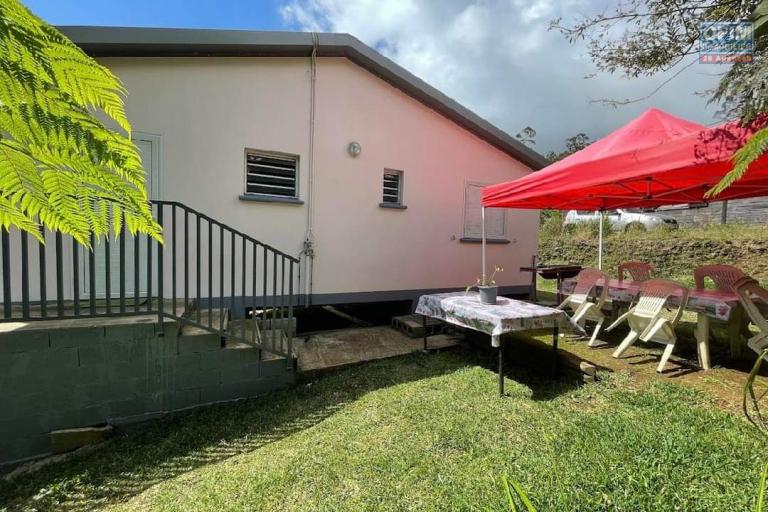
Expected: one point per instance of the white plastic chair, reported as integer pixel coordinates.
(646, 320)
(724, 276)
(754, 300)
(637, 270)
(579, 301)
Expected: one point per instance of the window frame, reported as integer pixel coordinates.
(400, 204)
(258, 196)
(472, 237)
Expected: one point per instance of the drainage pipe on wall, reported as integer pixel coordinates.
(309, 240)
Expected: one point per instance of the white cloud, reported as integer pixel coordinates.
(498, 58)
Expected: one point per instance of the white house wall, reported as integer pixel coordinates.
(362, 247)
(208, 110)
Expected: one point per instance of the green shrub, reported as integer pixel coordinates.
(551, 224)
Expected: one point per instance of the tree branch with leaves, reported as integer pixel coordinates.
(647, 37)
(60, 166)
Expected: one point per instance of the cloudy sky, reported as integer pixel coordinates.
(497, 57)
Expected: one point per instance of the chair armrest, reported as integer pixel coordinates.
(603, 295)
(620, 319)
(680, 308)
(653, 328)
(564, 303)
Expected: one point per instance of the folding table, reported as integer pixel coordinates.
(506, 316)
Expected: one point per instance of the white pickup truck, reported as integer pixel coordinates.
(621, 220)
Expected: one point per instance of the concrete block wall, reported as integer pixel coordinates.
(74, 376)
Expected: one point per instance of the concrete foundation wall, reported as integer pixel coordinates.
(77, 376)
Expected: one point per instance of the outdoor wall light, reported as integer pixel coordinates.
(354, 149)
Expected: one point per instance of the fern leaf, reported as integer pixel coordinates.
(60, 166)
(742, 159)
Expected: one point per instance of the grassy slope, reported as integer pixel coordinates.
(427, 433)
(674, 253)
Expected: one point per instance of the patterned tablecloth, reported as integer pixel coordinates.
(713, 303)
(507, 315)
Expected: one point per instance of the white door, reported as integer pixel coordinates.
(149, 149)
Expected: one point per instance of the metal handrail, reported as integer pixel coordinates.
(257, 276)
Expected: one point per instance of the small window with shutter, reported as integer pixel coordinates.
(495, 218)
(392, 192)
(271, 174)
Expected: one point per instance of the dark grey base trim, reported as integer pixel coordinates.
(392, 206)
(323, 299)
(471, 240)
(269, 199)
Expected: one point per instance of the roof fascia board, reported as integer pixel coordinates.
(156, 42)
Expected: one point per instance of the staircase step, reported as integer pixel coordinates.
(217, 317)
(275, 340)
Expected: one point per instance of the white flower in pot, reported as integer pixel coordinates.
(486, 285)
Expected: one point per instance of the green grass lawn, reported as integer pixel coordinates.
(422, 432)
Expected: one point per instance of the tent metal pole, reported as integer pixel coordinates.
(482, 250)
(600, 241)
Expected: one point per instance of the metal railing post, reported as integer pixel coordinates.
(290, 315)
(76, 276)
(160, 277)
(6, 243)
(43, 279)
(24, 275)
(276, 312)
(59, 275)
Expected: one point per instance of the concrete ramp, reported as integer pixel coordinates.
(335, 349)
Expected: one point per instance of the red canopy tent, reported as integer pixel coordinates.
(655, 160)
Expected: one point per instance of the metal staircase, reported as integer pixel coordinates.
(209, 277)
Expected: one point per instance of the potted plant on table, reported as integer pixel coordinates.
(487, 287)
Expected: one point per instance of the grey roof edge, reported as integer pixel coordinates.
(173, 42)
